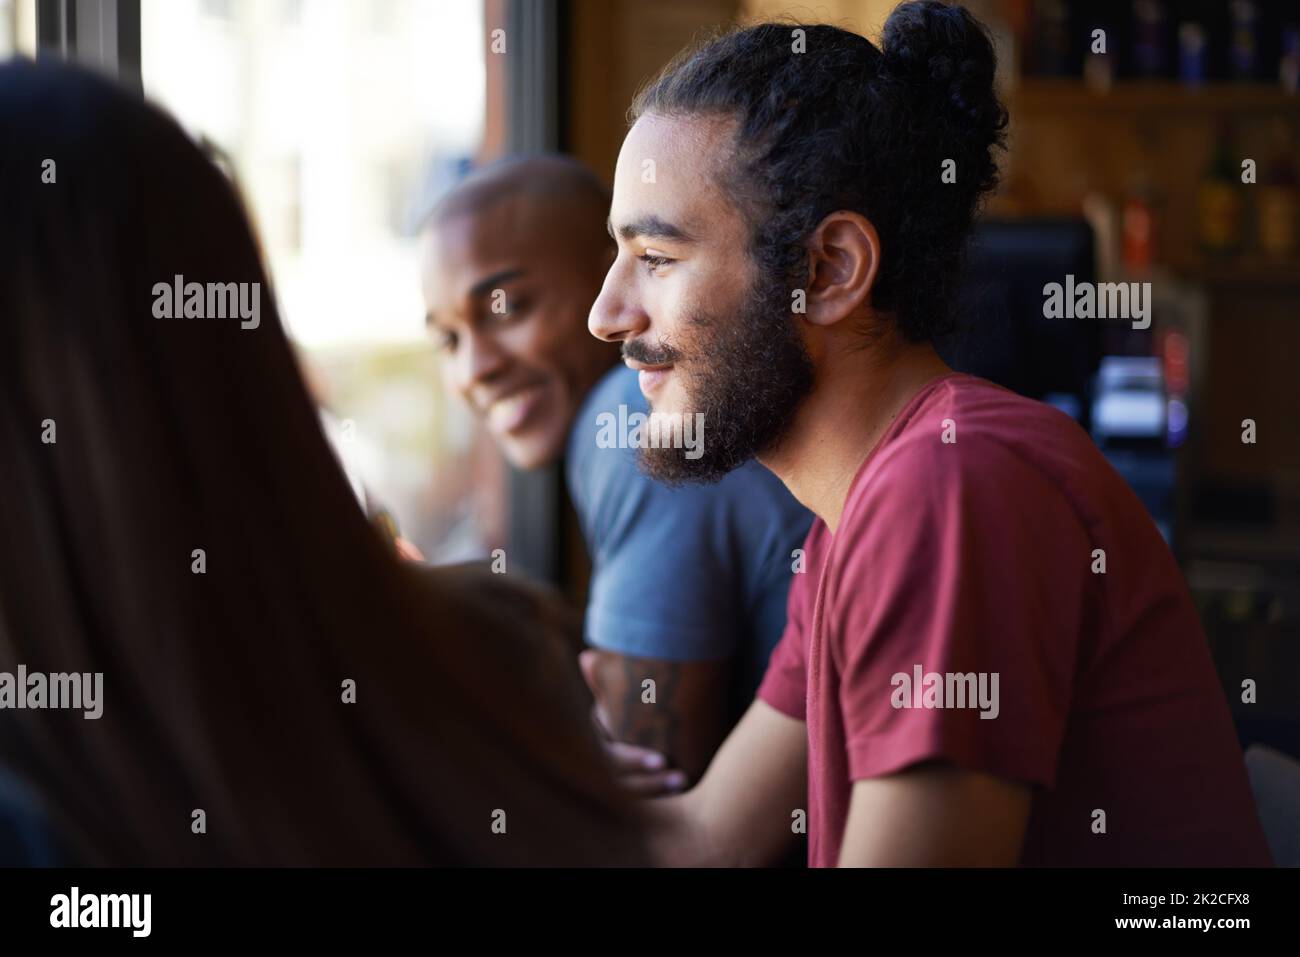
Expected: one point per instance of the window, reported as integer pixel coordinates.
(17, 28)
(341, 123)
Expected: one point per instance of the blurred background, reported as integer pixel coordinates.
(342, 121)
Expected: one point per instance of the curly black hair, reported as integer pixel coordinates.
(842, 125)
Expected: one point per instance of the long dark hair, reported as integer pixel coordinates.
(224, 691)
(827, 121)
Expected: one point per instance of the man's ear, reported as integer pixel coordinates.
(843, 258)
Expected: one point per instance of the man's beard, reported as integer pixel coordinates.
(749, 374)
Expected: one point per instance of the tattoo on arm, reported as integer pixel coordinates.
(686, 719)
(654, 725)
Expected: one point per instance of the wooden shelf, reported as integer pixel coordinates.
(1246, 268)
(1154, 96)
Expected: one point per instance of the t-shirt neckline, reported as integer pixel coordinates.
(900, 422)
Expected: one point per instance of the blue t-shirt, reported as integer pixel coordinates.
(692, 573)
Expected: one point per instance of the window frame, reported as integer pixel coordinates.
(102, 34)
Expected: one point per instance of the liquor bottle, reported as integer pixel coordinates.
(1192, 54)
(1279, 198)
(1150, 52)
(1288, 69)
(1050, 45)
(1243, 47)
(1139, 226)
(1140, 204)
(1218, 200)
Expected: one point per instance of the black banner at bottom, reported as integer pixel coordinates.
(620, 907)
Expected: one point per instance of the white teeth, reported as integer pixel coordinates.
(503, 411)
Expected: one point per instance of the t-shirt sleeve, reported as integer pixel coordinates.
(663, 584)
(785, 683)
(661, 592)
(967, 573)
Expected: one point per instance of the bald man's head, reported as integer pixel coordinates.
(513, 258)
(547, 182)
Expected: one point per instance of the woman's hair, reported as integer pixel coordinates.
(128, 443)
(827, 122)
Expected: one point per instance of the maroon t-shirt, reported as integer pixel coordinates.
(961, 613)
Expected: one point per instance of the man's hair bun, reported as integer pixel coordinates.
(943, 55)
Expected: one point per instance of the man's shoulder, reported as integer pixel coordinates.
(969, 428)
(963, 406)
(968, 440)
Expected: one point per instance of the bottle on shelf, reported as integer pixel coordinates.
(1193, 54)
(1150, 52)
(1219, 199)
(1139, 230)
(1288, 70)
(1243, 43)
(1050, 45)
(1279, 198)
(1139, 250)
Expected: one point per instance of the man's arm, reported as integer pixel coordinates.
(741, 813)
(681, 716)
(936, 815)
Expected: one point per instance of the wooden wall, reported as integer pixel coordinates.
(615, 47)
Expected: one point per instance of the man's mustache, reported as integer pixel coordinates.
(639, 351)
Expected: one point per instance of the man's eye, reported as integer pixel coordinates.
(512, 309)
(653, 262)
(445, 342)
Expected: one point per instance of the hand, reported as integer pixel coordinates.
(407, 550)
(640, 770)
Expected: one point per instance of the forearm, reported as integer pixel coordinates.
(678, 834)
(741, 813)
(697, 830)
(674, 708)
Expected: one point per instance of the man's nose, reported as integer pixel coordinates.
(481, 359)
(615, 315)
